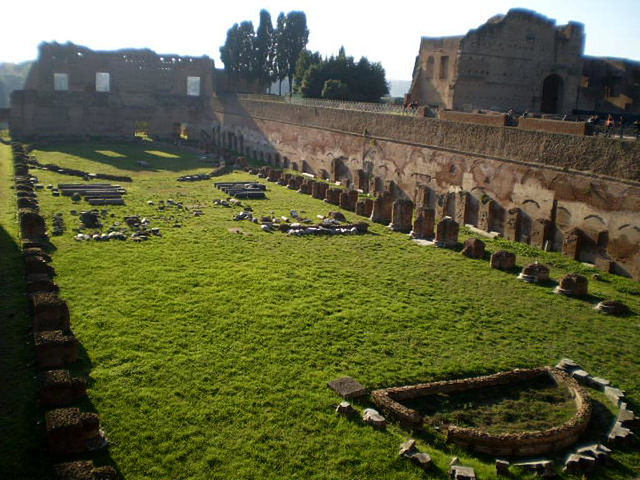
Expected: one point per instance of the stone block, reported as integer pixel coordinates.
(567, 365)
(41, 283)
(513, 225)
(616, 395)
(69, 430)
(486, 212)
(422, 460)
(540, 232)
(347, 387)
(401, 216)
(49, 312)
(382, 206)
(84, 470)
(364, 206)
(58, 388)
(463, 207)
(581, 376)
(502, 468)
(619, 435)
(572, 243)
(273, 174)
(319, 190)
(573, 284)
(31, 223)
(423, 225)
(503, 260)
(535, 273)
(348, 199)
(38, 253)
(612, 307)
(373, 418)
(408, 448)
(627, 418)
(599, 452)
(577, 464)
(333, 196)
(447, 232)
(459, 472)
(54, 349)
(346, 409)
(306, 186)
(473, 248)
(605, 264)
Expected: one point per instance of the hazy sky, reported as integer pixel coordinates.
(388, 31)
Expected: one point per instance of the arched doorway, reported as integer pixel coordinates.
(552, 94)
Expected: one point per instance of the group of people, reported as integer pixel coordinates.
(610, 126)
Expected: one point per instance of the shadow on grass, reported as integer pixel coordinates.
(82, 369)
(159, 157)
(21, 417)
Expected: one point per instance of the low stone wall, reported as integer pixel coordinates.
(508, 444)
(477, 118)
(552, 126)
(69, 431)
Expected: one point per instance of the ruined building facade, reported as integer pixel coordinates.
(74, 91)
(521, 60)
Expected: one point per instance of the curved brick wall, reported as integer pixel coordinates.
(522, 444)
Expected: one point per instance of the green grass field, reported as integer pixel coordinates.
(208, 351)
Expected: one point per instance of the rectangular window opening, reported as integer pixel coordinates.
(103, 82)
(61, 82)
(444, 66)
(193, 86)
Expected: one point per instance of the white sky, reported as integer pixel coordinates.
(387, 32)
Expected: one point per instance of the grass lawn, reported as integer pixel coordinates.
(208, 351)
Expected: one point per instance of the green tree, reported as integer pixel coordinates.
(305, 60)
(365, 81)
(335, 90)
(281, 58)
(238, 53)
(265, 53)
(296, 39)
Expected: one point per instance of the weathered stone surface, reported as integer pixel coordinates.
(364, 206)
(615, 395)
(513, 225)
(408, 448)
(337, 216)
(619, 435)
(401, 216)
(319, 190)
(348, 199)
(605, 264)
(382, 207)
(447, 232)
(473, 248)
(599, 452)
(37, 266)
(567, 365)
(599, 383)
(422, 460)
(582, 376)
(31, 223)
(347, 387)
(535, 273)
(423, 225)
(573, 284)
(612, 307)
(373, 418)
(502, 467)
(459, 472)
(90, 219)
(503, 260)
(572, 243)
(41, 283)
(84, 470)
(346, 409)
(58, 388)
(333, 196)
(54, 349)
(69, 430)
(577, 464)
(49, 312)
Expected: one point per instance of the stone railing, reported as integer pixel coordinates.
(521, 444)
(348, 105)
